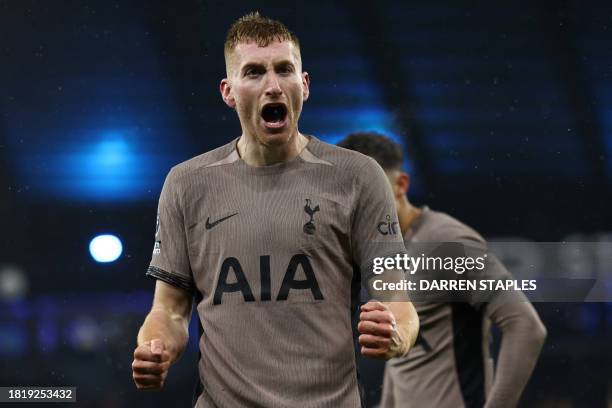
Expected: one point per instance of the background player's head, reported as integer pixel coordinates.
(265, 82)
(387, 154)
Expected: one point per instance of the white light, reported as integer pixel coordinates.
(105, 248)
(13, 283)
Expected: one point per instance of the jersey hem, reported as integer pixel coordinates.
(170, 278)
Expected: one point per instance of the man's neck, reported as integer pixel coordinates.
(256, 154)
(407, 214)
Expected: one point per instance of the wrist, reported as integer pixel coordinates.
(405, 340)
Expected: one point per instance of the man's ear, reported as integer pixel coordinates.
(306, 85)
(226, 93)
(402, 184)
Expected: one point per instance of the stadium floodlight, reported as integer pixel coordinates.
(105, 248)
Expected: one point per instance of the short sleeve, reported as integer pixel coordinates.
(474, 246)
(457, 243)
(170, 259)
(375, 230)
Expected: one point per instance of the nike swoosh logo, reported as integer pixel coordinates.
(209, 224)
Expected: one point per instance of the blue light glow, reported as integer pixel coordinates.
(105, 248)
(125, 164)
(106, 168)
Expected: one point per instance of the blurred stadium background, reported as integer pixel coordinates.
(505, 110)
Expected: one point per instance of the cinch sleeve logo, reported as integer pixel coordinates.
(387, 227)
(157, 224)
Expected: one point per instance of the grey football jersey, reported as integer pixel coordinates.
(449, 365)
(271, 250)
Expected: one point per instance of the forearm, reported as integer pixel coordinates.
(171, 328)
(523, 335)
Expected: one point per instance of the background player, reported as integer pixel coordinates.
(450, 365)
(266, 229)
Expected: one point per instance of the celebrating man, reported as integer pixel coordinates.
(267, 230)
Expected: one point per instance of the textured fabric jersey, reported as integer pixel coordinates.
(271, 250)
(449, 366)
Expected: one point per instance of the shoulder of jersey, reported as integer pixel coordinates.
(201, 161)
(340, 157)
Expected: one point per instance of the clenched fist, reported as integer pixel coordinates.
(380, 337)
(150, 365)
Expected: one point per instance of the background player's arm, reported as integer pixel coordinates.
(163, 335)
(523, 335)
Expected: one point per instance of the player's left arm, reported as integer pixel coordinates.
(523, 335)
(387, 328)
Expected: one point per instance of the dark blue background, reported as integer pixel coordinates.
(504, 109)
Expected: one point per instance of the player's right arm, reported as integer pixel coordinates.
(162, 337)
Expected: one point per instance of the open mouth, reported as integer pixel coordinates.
(274, 114)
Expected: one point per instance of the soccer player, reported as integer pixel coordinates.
(267, 230)
(449, 365)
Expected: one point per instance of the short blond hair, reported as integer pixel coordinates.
(260, 30)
